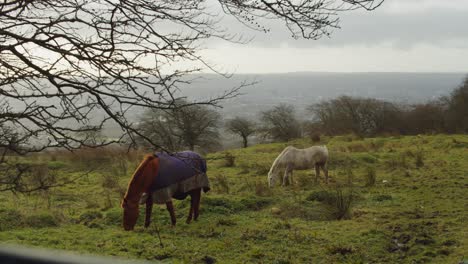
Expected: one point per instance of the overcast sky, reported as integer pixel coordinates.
(400, 36)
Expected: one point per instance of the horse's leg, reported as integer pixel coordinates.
(317, 173)
(325, 171)
(196, 197)
(291, 177)
(149, 208)
(192, 201)
(286, 176)
(170, 208)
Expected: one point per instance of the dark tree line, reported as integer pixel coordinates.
(198, 126)
(369, 117)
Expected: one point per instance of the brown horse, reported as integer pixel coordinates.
(145, 187)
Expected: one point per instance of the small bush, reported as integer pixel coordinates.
(56, 165)
(261, 168)
(315, 137)
(289, 210)
(250, 234)
(229, 160)
(261, 189)
(41, 220)
(382, 197)
(255, 203)
(349, 176)
(221, 205)
(366, 157)
(88, 217)
(110, 181)
(419, 158)
(113, 217)
(397, 162)
(41, 175)
(225, 222)
(340, 249)
(376, 145)
(357, 147)
(371, 176)
(222, 183)
(321, 196)
(341, 207)
(10, 219)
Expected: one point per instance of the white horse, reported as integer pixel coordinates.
(292, 158)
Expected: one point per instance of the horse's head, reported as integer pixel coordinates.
(271, 179)
(130, 214)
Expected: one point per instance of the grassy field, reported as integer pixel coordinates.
(390, 200)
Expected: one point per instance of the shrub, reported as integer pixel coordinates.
(89, 216)
(261, 168)
(56, 165)
(321, 196)
(397, 162)
(301, 210)
(222, 183)
(229, 160)
(255, 203)
(382, 197)
(341, 249)
(113, 217)
(357, 147)
(349, 175)
(342, 207)
(41, 220)
(10, 219)
(261, 189)
(315, 137)
(419, 158)
(370, 176)
(225, 222)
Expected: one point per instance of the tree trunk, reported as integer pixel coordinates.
(245, 141)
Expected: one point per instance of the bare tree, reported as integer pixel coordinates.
(242, 127)
(280, 123)
(180, 128)
(457, 112)
(362, 116)
(70, 67)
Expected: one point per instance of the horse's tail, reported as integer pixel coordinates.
(277, 160)
(136, 181)
(325, 152)
(204, 167)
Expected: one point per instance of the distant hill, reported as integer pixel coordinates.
(305, 88)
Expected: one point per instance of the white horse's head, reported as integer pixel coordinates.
(272, 177)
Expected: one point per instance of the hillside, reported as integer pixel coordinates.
(407, 194)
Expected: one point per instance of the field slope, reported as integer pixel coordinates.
(399, 200)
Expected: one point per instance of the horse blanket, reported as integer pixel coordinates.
(178, 174)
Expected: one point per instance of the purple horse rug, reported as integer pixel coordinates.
(178, 174)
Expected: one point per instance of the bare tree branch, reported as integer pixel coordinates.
(71, 67)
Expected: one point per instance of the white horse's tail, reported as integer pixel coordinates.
(325, 150)
(326, 155)
(277, 160)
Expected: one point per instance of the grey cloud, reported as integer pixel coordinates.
(443, 27)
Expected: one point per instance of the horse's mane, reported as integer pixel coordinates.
(136, 180)
(278, 159)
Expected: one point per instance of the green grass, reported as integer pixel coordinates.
(415, 210)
